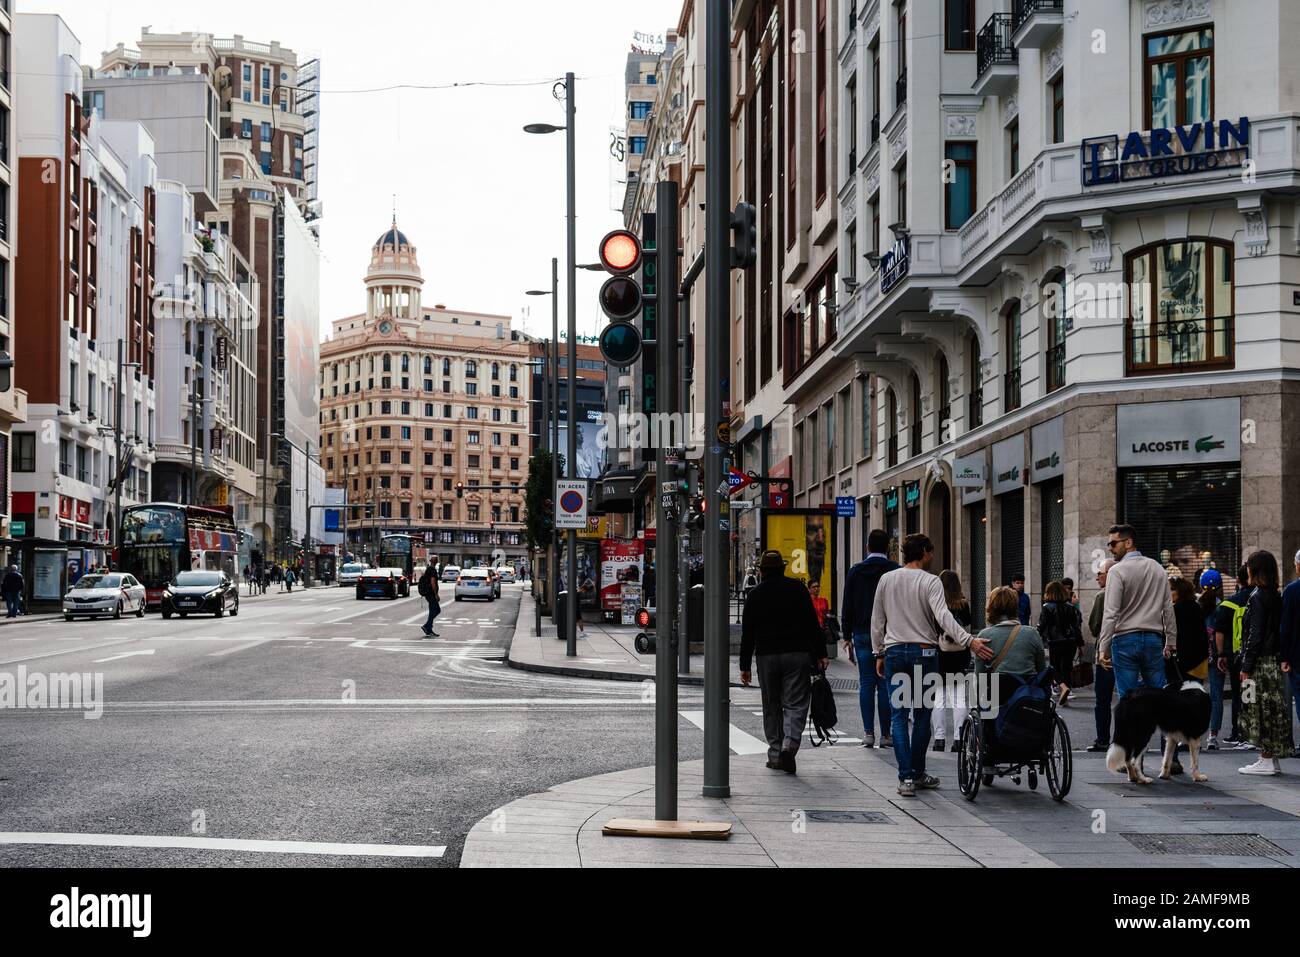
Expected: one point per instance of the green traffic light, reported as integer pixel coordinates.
(620, 343)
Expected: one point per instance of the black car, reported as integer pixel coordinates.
(390, 583)
(200, 593)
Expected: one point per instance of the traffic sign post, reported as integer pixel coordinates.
(571, 504)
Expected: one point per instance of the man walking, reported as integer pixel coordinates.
(1104, 677)
(12, 587)
(780, 629)
(909, 613)
(428, 590)
(1290, 631)
(859, 601)
(1138, 617)
(1024, 611)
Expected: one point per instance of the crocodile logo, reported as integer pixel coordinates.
(1207, 444)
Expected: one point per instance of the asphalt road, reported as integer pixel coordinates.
(310, 717)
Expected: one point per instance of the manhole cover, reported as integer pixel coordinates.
(847, 817)
(843, 684)
(1207, 845)
(1225, 812)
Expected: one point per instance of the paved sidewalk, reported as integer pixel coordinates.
(842, 810)
(21, 619)
(609, 651)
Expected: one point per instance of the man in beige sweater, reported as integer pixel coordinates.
(1137, 627)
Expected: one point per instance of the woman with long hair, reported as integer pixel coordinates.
(1061, 626)
(1193, 650)
(1266, 718)
(950, 703)
(1210, 598)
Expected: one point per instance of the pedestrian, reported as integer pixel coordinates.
(1015, 649)
(1266, 714)
(289, 578)
(1193, 649)
(266, 579)
(820, 604)
(859, 602)
(1209, 599)
(1104, 674)
(779, 632)
(12, 588)
(910, 611)
(1290, 631)
(1229, 624)
(1061, 628)
(428, 590)
(950, 702)
(1139, 615)
(1024, 611)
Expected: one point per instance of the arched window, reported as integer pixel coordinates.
(496, 371)
(975, 380)
(1057, 298)
(446, 367)
(514, 373)
(915, 415)
(428, 365)
(1011, 352)
(891, 410)
(1181, 305)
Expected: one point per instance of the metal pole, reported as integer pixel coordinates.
(686, 366)
(546, 447)
(717, 362)
(553, 384)
(666, 266)
(194, 440)
(117, 438)
(571, 610)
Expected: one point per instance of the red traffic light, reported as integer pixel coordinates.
(643, 618)
(620, 252)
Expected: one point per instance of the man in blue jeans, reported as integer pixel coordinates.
(1138, 631)
(859, 601)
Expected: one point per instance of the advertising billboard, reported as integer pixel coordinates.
(301, 330)
(591, 456)
(805, 540)
(622, 562)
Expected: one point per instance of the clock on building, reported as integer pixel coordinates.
(385, 328)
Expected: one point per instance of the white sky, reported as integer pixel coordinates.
(472, 188)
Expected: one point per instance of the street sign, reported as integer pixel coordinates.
(846, 507)
(742, 505)
(738, 481)
(17, 529)
(571, 504)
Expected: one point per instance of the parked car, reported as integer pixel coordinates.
(390, 583)
(350, 573)
(450, 573)
(507, 574)
(475, 583)
(200, 593)
(111, 594)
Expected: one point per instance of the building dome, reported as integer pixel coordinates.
(394, 237)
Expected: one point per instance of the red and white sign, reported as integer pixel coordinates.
(622, 562)
(65, 508)
(83, 512)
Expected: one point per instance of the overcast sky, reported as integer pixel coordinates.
(482, 201)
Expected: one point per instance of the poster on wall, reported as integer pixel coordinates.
(47, 575)
(805, 540)
(622, 562)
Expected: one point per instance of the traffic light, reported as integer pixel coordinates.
(699, 506)
(744, 227)
(460, 489)
(621, 298)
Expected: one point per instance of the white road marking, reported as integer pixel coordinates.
(230, 651)
(129, 654)
(67, 651)
(738, 741)
(360, 644)
(222, 844)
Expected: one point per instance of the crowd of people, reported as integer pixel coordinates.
(259, 578)
(902, 622)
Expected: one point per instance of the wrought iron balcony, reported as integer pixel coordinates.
(1034, 22)
(1056, 367)
(996, 59)
(1011, 391)
(975, 408)
(1181, 345)
(900, 90)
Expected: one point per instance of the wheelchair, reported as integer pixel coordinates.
(980, 761)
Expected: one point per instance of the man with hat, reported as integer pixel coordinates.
(780, 630)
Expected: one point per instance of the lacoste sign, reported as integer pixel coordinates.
(1178, 433)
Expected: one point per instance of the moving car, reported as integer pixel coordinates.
(350, 573)
(390, 583)
(110, 594)
(200, 593)
(450, 572)
(507, 574)
(475, 583)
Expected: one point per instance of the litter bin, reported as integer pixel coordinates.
(695, 614)
(559, 609)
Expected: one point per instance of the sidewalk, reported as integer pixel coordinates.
(842, 810)
(43, 616)
(609, 651)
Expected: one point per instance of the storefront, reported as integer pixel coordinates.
(1009, 490)
(1180, 482)
(912, 506)
(1047, 475)
(893, 520)
(968, 475)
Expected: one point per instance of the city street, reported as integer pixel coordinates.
(245, 725)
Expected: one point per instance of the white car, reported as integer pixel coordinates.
(351, 573)
(110, 594)
(507, 574)
(450, 572)
(475, 583)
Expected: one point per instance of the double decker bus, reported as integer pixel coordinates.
(398, 551)
(160, 540)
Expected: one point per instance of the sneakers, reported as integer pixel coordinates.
(907, 788)
(428, 632)
(1265, 766)
(927, 782)
(1098, 746)
(1213, 743)
(869, 739)
(1063, 699)
(1244, 746)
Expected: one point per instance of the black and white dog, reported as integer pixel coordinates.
(1181, 711)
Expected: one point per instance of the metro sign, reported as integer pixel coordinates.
(738, 481)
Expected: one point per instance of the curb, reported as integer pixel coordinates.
(692, 680)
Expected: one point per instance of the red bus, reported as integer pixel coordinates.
(159, 540)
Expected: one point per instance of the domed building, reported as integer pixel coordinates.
(415, 399)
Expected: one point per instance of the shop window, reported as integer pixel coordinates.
(1179, 78)
(1181, 300)
(1187, 518)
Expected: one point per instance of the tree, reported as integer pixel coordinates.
(539, 518)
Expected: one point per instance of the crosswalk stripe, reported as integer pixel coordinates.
(739, 741)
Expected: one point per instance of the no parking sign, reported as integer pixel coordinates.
(571, 504)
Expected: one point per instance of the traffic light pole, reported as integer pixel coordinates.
(571, 463)
(666, 265)
(686, 369)
(553, 384)
(717, 379)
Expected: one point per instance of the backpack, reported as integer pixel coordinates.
(821, 714)
(1238, 618)
(423, 588)
(1023, 723)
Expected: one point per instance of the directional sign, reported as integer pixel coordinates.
(846, 507)
(738, 481)
(571, 504)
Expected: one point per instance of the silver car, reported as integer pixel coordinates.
(351, 573)
(475, 583)
(111, 594)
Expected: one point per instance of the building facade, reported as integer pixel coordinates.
(416, 401)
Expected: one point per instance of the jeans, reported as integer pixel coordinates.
(1105, 690)
(903, 665)
(1234, 680)
(13, 604)
(1216, 698)
(1138, 657)
(434, 611)
(785, 682)
(1294, 677)
(870, 684)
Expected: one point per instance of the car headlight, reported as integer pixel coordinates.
(212, 594)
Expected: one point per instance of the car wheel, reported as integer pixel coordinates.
(139, 612)
(184, 614)
(117, 612)
(235, 611)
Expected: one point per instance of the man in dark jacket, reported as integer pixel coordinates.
(780, 629)
(1291, 638)
(859, 602)
(12, 587)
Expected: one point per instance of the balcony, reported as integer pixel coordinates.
(1035, 22)
(997, 62)
(1181, 345)
(875, 132)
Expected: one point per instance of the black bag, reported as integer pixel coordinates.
(424, 589)
(1025, 721)
(821, 715)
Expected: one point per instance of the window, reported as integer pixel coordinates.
(471, 369)
(868, 423)
(1056, 97)
(1181, 306)
(915, 414)
(828, 418)
(248, 73)
(94, 100)
(265, 161)
(473, 462)
(959, 25)
(639, 109)
(1013, 148)
(473, 438)
(446, 460)
(406, 433)
(959, 188)
(266, 132)
(266, 78)
(891, 427)
(1057, 294)
(902, 194)
(636, 145)
(471, 388)
(1179, 78)
(900, 88)
(1011, 384)
(24, 451)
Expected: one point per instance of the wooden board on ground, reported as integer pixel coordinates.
(692, 830)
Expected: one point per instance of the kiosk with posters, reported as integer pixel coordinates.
(806, 540)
